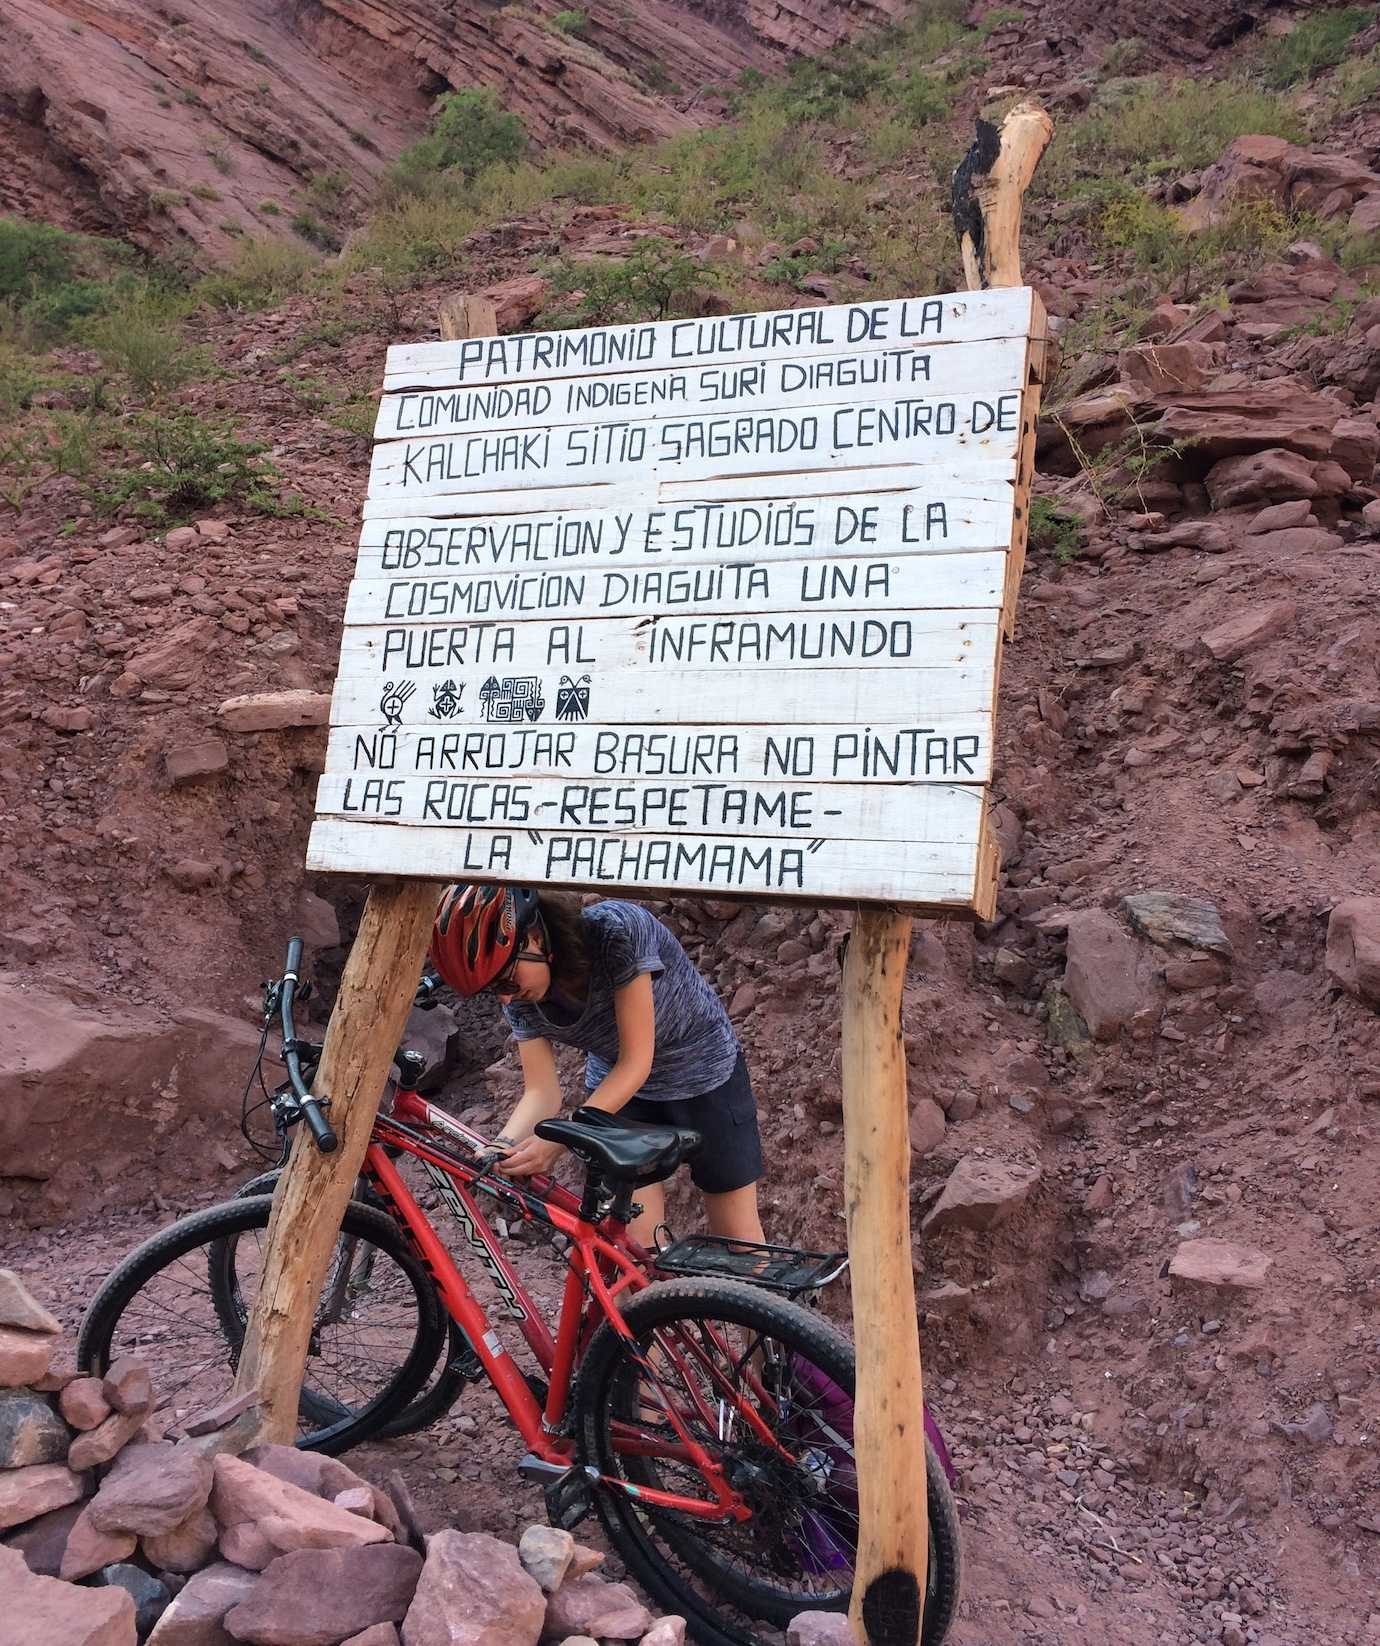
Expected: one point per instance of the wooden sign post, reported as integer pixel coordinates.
(888, 1424)
(709, 606)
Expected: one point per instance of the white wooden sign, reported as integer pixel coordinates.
(699, 606)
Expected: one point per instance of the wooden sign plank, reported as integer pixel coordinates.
(786, 334)
(937, 812)
(945, 518)
(927, 431)
(754, 386)
(951, 749)
(770, 697)
(798, 639)
(939, 875)
(875, 584)
(979, 475)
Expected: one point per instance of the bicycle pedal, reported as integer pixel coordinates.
(569, 1492)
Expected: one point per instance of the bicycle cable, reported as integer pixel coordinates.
(247, 1110)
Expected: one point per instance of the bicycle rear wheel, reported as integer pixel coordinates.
(377, 1334)
(715, 1348)
(443, 1384)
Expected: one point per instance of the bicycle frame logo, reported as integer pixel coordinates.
(474, 1239)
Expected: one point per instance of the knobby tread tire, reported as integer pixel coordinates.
(243, 1216)
(790, 1323)
(432, 1403)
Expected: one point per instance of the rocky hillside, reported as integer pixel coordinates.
(184, 130)
(1144, 1098)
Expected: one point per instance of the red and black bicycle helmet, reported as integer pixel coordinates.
(479, 928)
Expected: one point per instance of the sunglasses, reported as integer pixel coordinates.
(503, 983)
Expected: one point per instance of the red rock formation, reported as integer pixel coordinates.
(179, 131)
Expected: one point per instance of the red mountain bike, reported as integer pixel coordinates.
(685, 1396)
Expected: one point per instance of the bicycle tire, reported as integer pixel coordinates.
(634, 1530)
(219, 1224)
(437, 1398)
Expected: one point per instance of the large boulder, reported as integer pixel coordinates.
(27, 1493)
(20, 1308)
(1207, 1267)
(473, 1592)
(42, 1611)
(981, 1194)
(161, 1077)
(196, 1616)
(1353, 947)
(1269, 476)
(594, 1607)
(262, 1517)
(1106, 975)
(151, 1490)
(1227, 422)
(319, 1597)
(1233, 638)
(1275, 170)
(1176, 919)
(30, 1430)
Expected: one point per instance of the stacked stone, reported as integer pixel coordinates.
(115, 1533)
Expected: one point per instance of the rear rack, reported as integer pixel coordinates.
(777, 1268)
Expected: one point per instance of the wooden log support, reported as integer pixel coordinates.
(988, 188)
(376, 994)
(888, 1422)
(893, 1544)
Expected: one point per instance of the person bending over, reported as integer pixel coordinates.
(612, 980)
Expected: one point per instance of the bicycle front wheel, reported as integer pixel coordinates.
(378, 1330)
(766, 1388)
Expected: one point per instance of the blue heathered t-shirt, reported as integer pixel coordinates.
(696, 1048)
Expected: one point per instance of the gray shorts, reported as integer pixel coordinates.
(726, 1118)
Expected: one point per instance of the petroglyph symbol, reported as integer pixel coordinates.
(572, 698)
(394, 700)
(510, 701)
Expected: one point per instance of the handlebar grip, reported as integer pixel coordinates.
(319, 1126)
(294, 956)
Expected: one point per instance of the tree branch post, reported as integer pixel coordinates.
(376, 994)
(888, 1424)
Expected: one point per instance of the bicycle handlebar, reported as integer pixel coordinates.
(317, 1124)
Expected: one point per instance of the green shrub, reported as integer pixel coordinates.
(1357, 81)
(20, 380)
(142, 338)
(1318, 42)
(1053, 530)
(1361, 252)
(181, 466)
(1180, 125)
(204, 191)
(791, 267)
(262, 273)
(35, 257)
(655, 281)
(818, 88)
(315, 232)
(570, 22)
(1004, 17)
(469, 132)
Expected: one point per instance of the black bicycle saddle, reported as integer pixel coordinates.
(623, 1151)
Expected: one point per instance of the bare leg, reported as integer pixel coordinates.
(734, 1215)
(652, 1200)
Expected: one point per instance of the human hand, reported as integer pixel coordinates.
(531, 1157)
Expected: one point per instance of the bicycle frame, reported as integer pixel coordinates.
(604, 1263)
